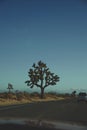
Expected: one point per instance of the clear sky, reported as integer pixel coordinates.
(54, 31)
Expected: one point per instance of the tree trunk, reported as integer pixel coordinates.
(42, 93)
(9, 91)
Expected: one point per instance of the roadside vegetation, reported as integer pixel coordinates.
(7, 98)
(40, 76)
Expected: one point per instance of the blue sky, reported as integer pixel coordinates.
(54, 31)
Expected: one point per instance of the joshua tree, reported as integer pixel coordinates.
(73, 93)
(40, 76)
(10, 86)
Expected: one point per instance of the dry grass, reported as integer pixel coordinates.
(6, 102)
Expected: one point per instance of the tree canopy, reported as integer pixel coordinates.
(41, 76)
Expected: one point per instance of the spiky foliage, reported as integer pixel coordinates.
(10, 87)
(40, 76)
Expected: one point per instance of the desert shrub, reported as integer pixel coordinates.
(4, 95)
(35, 94)
(19, 95)
(26, 95)
(10, 96)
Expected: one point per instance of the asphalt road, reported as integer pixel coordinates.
(11, 107)
(66, 111)
(23, 110)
